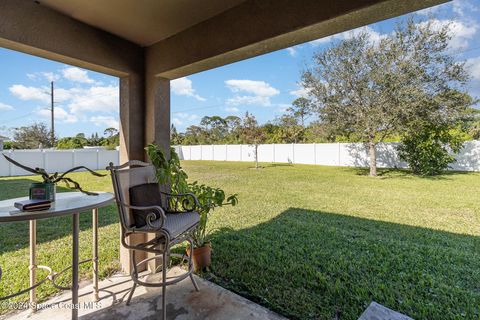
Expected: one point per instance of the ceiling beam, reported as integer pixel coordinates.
(35, 29)
(260, 26)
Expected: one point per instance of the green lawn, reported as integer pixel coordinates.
(309, 242)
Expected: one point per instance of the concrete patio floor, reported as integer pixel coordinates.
(183, 303)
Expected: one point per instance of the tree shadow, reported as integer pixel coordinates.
(14, 235)
(309, 264)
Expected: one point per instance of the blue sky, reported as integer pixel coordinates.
(88, 102)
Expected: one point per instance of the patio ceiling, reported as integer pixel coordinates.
(142, 22)
(146, 43)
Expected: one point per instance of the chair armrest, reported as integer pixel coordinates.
(184, 203)
(150, 216)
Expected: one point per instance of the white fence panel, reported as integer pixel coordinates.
(266, 153)
(248, 152)
(326, 154)
(234, 152)
(387, 156)
(4, 164)
(107, 156)
(353, 155)
(304, 153)
(87, 158)
(220, 152)
(195, 152)
(184, 152)
(284, 153)
(179, 152)
(469, 158)
(58, 160)
(30, 158)
(207, 152)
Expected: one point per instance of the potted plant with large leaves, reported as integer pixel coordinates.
(46, 189)
(170, 172)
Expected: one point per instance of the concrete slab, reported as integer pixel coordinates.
(376, 311)
(183, 303)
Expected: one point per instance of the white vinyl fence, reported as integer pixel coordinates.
(57, 160)
(329, 154)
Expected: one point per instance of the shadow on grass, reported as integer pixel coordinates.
(318, 265)
(389, 173)
(14, 235)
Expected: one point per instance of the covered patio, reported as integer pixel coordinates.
(148, 44)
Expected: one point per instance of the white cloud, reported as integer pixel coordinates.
(232, 109)
(259, 92)
(93, 99)
(60, 115)
(77, 75)
(105, 121)
(300, 92)
(429, 11)
(473, 66)
(79, 101)
(461, 32)
(282, 107)
(372, 35)
(184, 118)
(30, 93)
(50, 76)
(4, 106)
(183, 87)
(460, 7)
(292, 51)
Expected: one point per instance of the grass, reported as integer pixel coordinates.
(309, 242)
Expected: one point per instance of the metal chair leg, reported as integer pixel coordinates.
(134, 274)
(194, 282)
(164, 286)
(130, 295)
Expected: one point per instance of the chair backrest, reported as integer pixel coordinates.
(125, 176)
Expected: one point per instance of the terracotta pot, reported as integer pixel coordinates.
(202, 257)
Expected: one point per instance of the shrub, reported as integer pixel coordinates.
(429, 151)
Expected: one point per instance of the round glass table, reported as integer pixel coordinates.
(66, 203)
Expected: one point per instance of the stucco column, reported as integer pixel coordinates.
(145, 118)
(132, 137)
(157, 124)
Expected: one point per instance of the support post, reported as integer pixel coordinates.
(33, 264)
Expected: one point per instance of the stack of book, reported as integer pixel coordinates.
(33, 205)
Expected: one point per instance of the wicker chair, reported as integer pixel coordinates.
(172, 222)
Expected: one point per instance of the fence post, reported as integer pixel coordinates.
(74, 158)
(201, 152)
(226, 152)
(10, 166)
(190, 152)
(338, 154)
(293, 153)
(98, 158)
(44, 159)
(274, 152)
(314, 153)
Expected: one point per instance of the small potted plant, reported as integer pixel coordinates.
(170, 172)
(46, 189)
(209, 198)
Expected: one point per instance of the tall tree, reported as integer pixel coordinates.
(32, 137)
(301, 109)
(371, 89)
(252, 134)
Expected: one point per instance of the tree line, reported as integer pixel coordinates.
(406, 86)
(37, 136)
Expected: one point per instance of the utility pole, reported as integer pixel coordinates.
(52, 132)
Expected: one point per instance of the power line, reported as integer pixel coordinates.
(16, 118)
